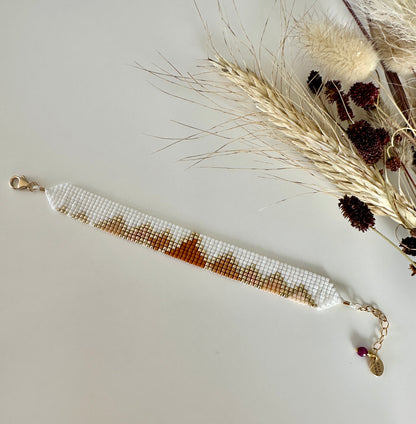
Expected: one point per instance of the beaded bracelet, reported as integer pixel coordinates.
(267, 274)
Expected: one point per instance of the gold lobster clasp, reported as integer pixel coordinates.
(20, 182)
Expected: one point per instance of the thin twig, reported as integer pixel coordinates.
(396, 247)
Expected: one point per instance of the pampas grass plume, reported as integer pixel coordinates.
(397, 53)
(340, 52)
(393, 28)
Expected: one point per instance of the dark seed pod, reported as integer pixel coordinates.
(367, 140)
(394, 163)
(315, 82)
(364, 95)
(357, 212)
(335, 94)
(408, 245)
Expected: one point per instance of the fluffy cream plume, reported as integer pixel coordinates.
(397, 53)
(304, 126)
(340, 52)
(406, 153)
(393, 28)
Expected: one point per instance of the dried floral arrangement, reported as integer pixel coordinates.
(351, 125)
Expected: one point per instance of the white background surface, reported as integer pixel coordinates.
(97, 330)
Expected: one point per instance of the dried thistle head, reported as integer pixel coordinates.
(335, 94)
(364, 95)
(340, 52)
(366, 140)
(357, 212)
(408, 245)
(394, 163)
(315, 82)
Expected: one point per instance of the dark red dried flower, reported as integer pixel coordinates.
(357, 212)
(408, 245)
(367, 140)
(394, 163)
(413, 232)
(364, 95)
(398, 138)
(315, 82)
(344, 110)
(413, 269)
(333, 91)
(335, 94)
(382, 136)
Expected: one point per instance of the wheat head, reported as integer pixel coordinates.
(305, 126)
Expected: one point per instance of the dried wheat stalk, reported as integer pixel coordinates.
(307, 128)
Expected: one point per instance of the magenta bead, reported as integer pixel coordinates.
(362, 351)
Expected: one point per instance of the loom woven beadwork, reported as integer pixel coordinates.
(197, 249)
